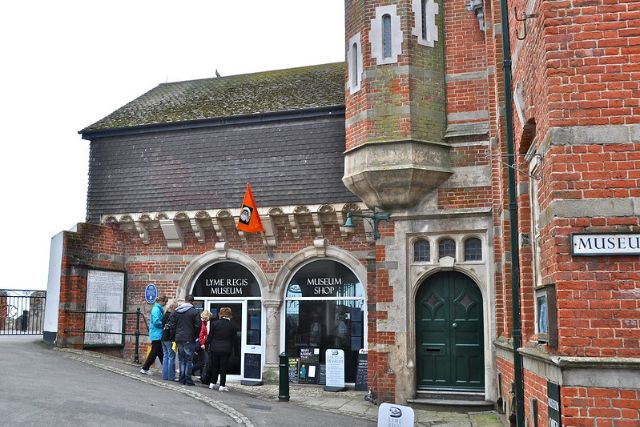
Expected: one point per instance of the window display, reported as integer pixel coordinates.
(324, 309)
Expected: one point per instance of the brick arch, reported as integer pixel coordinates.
(203, 261)
(312, 253)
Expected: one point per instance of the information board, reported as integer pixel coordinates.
(105, 293)
(334, 359)
(253, 366)
(362, 371)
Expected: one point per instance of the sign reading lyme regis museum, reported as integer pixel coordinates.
(605, 244)
(226, 279)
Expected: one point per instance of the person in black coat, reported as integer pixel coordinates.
(219, 344)
(184, 325)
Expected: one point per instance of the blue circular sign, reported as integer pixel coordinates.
(151, 293)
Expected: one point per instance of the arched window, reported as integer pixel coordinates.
(473, 249)
(354, 65)
(325, 308)
(386, 36)
(446, 247)
(421, 251)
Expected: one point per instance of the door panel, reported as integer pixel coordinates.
(449, 333)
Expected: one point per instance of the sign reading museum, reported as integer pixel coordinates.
(605, 244)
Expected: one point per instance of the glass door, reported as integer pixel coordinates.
(237, 309)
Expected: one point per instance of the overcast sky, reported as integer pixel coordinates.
(68, 63)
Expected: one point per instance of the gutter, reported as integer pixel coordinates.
(518, 383)
(247, 119)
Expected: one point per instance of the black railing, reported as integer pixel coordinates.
(136, 333)
(22, 311)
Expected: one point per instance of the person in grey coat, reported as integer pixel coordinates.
(184, 325)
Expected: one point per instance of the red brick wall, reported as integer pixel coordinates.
(600, 406)
(90, 247)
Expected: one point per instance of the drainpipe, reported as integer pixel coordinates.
(513, 220)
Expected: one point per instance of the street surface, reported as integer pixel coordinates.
(43, 387)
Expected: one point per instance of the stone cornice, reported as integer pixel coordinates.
(223, 222)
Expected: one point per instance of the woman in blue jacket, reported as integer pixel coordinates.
(155, 334)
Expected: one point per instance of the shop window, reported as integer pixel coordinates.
(446, 247)
(473, 249)
(421, 251)
(324, 308)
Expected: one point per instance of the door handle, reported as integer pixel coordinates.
(455, 325)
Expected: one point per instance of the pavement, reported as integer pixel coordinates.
(350, 404)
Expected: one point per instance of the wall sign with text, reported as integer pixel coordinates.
(226, 279)
(587, 244)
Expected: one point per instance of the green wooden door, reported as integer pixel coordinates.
(449, 333)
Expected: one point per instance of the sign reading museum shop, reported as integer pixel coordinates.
(324, 279)
(226, 279)
(584, 244)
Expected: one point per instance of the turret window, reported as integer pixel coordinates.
(386, 36)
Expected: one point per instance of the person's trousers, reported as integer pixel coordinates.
(218, 366)
(185, 354)
(156, 351)
(168, 361)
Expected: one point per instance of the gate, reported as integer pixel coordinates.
(22, 311)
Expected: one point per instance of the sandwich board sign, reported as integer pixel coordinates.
(390, 415)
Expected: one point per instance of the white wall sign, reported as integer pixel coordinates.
(605, 244)
(334, 359)
(105, 292)
(395, 415)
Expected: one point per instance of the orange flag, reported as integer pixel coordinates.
(249, 219)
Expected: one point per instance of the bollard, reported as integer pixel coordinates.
(283, 391)
(136, 357)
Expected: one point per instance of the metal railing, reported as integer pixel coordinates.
(139, 315)
(22, 311)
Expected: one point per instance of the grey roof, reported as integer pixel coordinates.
(288, 162)
(291, 89)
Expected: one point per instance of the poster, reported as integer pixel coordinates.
(293, 370)
(334, 370)
(105, 293)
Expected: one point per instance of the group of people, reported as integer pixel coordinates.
(190, 331)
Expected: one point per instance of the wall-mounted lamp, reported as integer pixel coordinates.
(375, 220)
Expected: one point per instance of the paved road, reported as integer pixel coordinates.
(39, 386)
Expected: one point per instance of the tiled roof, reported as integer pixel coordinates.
(291, 89)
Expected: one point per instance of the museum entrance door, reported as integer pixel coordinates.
(233, 366)
(449, 333)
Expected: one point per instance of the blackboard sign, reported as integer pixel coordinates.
(293, 370)
(322, 374)
(252, 366)
(361, 374)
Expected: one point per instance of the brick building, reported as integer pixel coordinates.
(412, 124)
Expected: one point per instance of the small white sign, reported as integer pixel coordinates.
(334, 369)
(395, 415)
(605, 244)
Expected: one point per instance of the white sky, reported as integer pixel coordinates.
(68, 63)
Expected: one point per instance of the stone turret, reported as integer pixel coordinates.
(395, 102)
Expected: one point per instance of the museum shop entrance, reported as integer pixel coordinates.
(230, 284)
